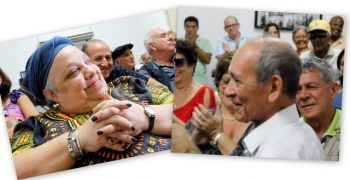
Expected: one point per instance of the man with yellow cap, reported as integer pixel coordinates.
(319, 35)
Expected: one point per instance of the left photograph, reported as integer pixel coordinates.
(89, 95)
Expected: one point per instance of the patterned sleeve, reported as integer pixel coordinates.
(160, 95)
(22, 140)
(15, 95)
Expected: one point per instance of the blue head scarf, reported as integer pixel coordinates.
(39, 65)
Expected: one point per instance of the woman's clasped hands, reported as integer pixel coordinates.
(112, 125)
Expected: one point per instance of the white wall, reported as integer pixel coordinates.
(211, 25)
(14, 54)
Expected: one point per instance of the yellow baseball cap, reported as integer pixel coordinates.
(320, 25)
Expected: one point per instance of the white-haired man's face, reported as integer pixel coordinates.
(162, 42)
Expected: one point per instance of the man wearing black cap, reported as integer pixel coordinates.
(123, 56)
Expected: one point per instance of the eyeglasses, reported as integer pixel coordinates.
(321, 35)
(300, 37)
(179, 62)
(231, 25)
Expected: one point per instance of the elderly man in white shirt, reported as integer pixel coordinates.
(282, 136)
(264, 81)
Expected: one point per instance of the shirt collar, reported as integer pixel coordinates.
(330, 53)
(157, 64)
(227, 37)
(263, 131)
(335, 125)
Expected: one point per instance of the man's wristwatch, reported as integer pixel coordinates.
(151, 116)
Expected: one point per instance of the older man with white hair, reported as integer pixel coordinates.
(264, 82)
(161, 47)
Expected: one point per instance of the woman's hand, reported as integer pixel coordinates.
(132, 112)
(226, 47)
(106, 128)
(205, 121)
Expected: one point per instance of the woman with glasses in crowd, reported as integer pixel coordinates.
(189, 94)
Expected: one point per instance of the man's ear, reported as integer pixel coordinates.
(49, 94)
(335, 89)
(276, 87)
(115, 61)
(151, 46)
(225, 30)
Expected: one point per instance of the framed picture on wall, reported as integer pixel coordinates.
(285, 21)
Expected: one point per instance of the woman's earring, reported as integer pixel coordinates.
(56, 105)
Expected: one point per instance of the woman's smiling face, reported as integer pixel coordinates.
(77, 84)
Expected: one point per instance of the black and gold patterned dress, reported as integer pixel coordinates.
(38, 130)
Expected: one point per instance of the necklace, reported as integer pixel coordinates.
(229, 118)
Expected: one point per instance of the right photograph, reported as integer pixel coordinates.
(255, 83)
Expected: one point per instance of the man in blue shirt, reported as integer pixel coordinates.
(161, 47)
(232, 41)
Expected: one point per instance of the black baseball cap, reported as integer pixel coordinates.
(120, 50)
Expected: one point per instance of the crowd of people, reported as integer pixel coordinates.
(272, 100)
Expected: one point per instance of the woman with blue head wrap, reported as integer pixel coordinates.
(87, 125)
(39, 65)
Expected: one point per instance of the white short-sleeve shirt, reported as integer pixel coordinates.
(284, 136)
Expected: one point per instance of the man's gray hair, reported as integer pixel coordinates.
(84, 48)
(279, 57)
(150, 37)
(327, 72)
(231, 17)
(295, 30)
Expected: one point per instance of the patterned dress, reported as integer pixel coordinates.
(38, 130)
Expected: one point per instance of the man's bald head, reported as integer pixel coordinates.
(273, 56)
